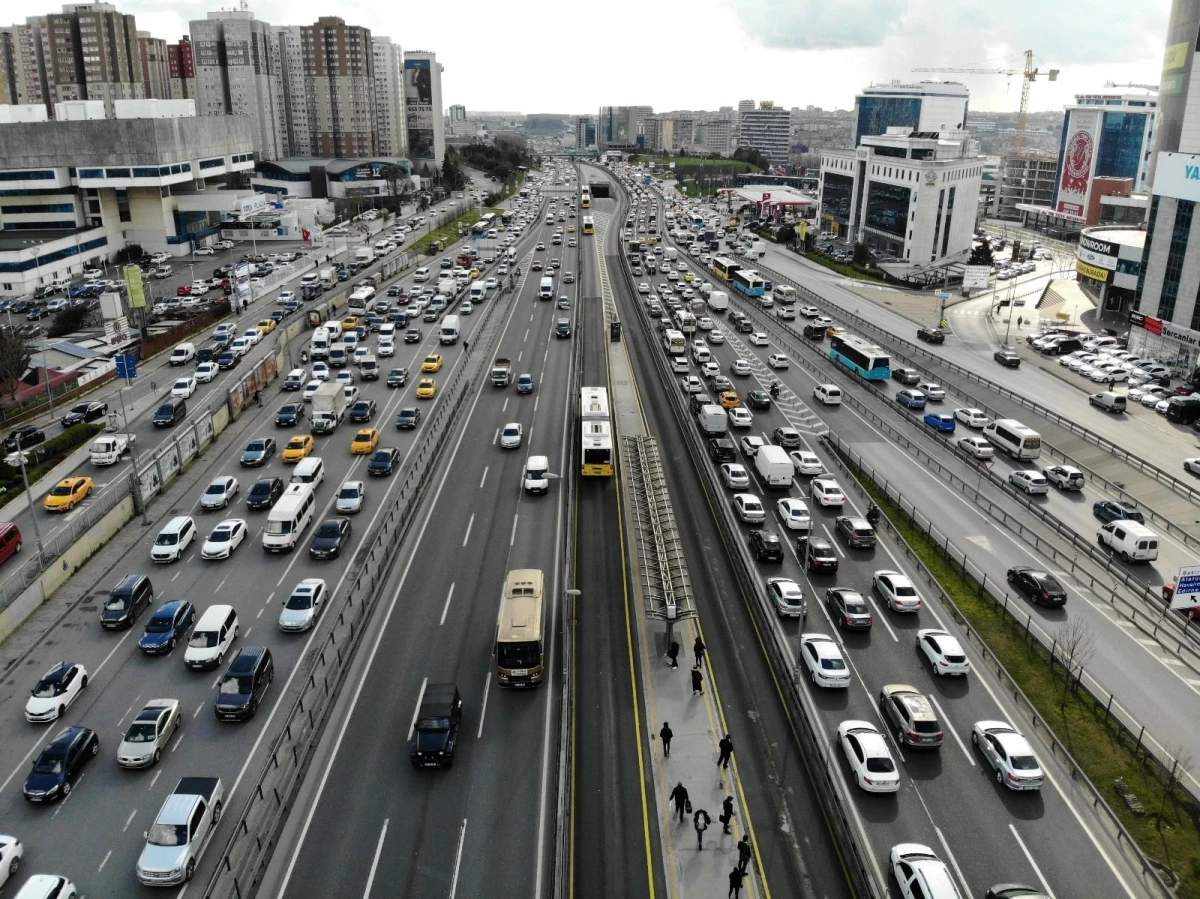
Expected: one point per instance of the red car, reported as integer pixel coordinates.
(183, 290)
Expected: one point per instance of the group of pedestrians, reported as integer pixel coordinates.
(701, 820)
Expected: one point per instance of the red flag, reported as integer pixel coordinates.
(305, 233)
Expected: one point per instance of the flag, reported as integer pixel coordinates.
(305, 233)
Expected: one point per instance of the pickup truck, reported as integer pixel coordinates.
(181, 832)
(502, 374)
(109, 448)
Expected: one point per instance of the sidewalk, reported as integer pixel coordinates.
(696, 721)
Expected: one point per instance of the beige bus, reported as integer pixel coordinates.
(520, 630)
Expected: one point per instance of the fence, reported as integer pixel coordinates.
(1129, 731)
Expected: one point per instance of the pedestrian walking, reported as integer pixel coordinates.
(727, 814)
(673, 654)
(1020, 320)
(466, 346)
(698, 648)
(1112, 382)
(726, 746)
(666, 734)
(744, 854)
(735, 883)
(679, 796)
(700, 821)
(697, 682)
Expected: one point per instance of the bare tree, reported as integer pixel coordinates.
(15, 353)
(1074, 646)
(1181, 766)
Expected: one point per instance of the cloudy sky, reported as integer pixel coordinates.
(539, 56)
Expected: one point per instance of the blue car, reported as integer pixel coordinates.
(940, 421)
(61, 764)
(1115, 510)
(167, 626)
(912, 399)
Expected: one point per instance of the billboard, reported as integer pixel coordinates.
(1177, 175)
(418, 108)
(1187, 588)
(133, 284)
(1077, 163)
(976, 277)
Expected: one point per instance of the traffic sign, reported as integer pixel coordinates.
(1187, 588)
(126, 366)
(943, 295)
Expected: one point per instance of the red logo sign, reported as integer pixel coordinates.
(1077, 163)
(766, 196)
(1153, 325)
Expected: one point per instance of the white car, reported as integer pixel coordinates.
(350, 392)
(778, 360)
(896, 590)
(749, 508)
(1031, 482)
(386, 347)
(827, 492)
(740, 367)
(493, 283)
(203, 251)
(704, 323)
(54, 693)
(806, 462)
(976, 447)
(320, 371)
(972, 418)
(933, 391)
(920, 873)
(751, 444)
(1109, 373)
(510, 435)
(716, 337)
(794, 514)
(184, 387)
(219, 493)
(710, 368)
(360, 353)
(758, 338)
(944, 652)
(252, 336)
(643, 288)
(301, 608)
(1009, 754)
(286, 296)
(809, 311)
(11, 853)
(823, 659)
(149, 733)
(224, 539)
(345, 378)
(350, 497)
(740, 417)
(828, 394)
(866, 749)
(787, 596)
(1149, 395)
(310, 388)
(206, 371)
(691, 384)
(735, 476)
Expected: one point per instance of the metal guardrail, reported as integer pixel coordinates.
(1129, 731)
(665, 575)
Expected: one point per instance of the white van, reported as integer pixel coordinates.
(1131, 540)
(536, 478)
(478, 292)
(422, 274)
(511, 254)
(212, 637)
(308, 471)
(828, 394)
(1010, 436)
(288, 518)
(546, 289)
(183, 354)
(784, 294)
(449, 331)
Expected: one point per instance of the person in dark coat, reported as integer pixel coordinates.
(679, 796)
(726, 814)
(700, 821)
(666, 734)
(745, 853)
(698, 648)
(697, 682)
(673, 654)
(735, 883)
(726, 746)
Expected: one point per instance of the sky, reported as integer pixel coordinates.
(532, 56)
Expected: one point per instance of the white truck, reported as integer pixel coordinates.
(758, 249)
(183, 354)
(181, 832)
(364, 256)
(107, 449)
(449, 331)
(502, 372)
(546, 289)
(672, 254)
(774, 467)
(328, 278)
(713, 420)
(328, 407)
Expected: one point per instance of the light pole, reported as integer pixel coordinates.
(572, 596)
(37, 532)
(134, 460)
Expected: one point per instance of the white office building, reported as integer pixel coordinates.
(926, 106)
(768, 130)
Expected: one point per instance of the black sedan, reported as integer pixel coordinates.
(24, 437)
(362, 410)
(61, 764)
(227, 360)
(383, 460)
(264, 493)
(258, 452)
(758, 399)
(1008, 358)
(1115, 510)
(931, 335)
(848, 608)
(330, 537)
(84, 412)
(397, 377)
(766, 545)
(289, 414)
(1037, 585)
(408, 417)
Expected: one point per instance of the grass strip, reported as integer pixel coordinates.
(1168, 832)
(447, 232)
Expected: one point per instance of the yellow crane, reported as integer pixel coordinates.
(1028, 75)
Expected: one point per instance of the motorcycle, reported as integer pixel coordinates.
(775, 391)
(873, 515)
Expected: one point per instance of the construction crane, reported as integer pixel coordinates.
(1145, 87)
(1028, 75)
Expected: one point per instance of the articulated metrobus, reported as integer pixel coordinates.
(521, 629)
(748, 283)
(724, 267)
(597, 456)
(862, 357)
(589, 225)
(585, 198)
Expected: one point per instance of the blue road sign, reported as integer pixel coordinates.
(126, 366)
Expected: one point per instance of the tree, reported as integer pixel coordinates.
(786, 234)
(68, 321)
(15, 354)
(396, 179)
(1073, 646)
(981, 254)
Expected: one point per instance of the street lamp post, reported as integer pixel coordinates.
(37, 532)
(135, 461)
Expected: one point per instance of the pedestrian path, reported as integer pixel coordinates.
(695, 721)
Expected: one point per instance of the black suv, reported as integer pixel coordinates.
(722, 449)
(766, 546)
(931, 335)
(244, 684)
(436, 730)
(264, 493)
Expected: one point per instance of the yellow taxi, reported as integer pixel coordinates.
(834, 331)
(432, 362)
(350, 322)
(67, 493)
(426, 389)
(729, 399)
(476, 272)
(298, 448)
(688, 276)
(364, 442)
(267, 325)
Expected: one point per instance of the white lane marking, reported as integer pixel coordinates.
(129, 820)
(880, 614)
(375, 860)
(953, 860)
(483, 479)
(462, 836)
(107, 856)
(487, 682)
(412, 725)
(836, 548)
(467, 535)
(154, 779)
(512, 538)
(446, 607)
(1032, 863)
(954, 733)
(199, 709)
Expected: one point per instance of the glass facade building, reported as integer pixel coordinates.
(876, 114)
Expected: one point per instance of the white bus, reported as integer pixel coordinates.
(519, 651)
(288, 518)
(1010, 436)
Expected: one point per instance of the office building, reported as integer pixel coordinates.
(927, 106)
(715, 135)
(619, 127)
(181, 70)
(910, 196)
(1027, 178)
(458, 113)
(585, 132)
(745, 106)
(320, 178)
(675, 132)
(391, 123)
(156, 73)
(238, 72)
(768, 130)
(423, 111)
(339, 75)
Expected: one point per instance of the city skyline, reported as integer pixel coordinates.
(844, 47)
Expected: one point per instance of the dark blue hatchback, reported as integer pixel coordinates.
(167, 626)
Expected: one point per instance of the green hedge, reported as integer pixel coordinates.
(45, 457)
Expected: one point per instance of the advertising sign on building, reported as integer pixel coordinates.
(1177, 175)
(1092, 271)
(1078, 162)
(1097, 253)
(418, 100)
(975, 277)
(133, 284)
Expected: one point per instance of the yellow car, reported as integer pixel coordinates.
(729, 399)
(350, 322)
(426, 388)
(834, 331)
(298, 447)
(364, 442)
(475, 273)
(267, 325)
(66, 493)
(570, 229)
(688, 276)
(432, 363)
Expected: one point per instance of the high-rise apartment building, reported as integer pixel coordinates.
(181, 70)
(423, 109)
(8, 65)
(768, 130)
(297, 137)
(339, 74)
(458, 113)
(152, 59)
(391, 124)
(585, 132)
(238, 72)
(928, 106)
(715, 135)
(1026, 179)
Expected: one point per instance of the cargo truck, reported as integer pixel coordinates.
(181, 832)
(328, 278)
(328, 407)
(502, 372)
(774, 467)
(363, 256)
(109, 448)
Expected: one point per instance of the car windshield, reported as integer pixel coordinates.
(168, 835)
(116, 603)
(62, 490)
(299, 601)
(141, 732)
(48, 764)
(348, 493)
(234, 685)
(47, 689)
(159, 624)
(257, 445)
(215, 489)
(220, 535)
(203, 639)
(167, 538)
(518, 655)
(328, 529)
